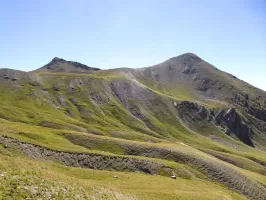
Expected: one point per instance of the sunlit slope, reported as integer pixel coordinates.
(181, 118)
(24, 178)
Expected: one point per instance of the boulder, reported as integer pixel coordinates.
(173, 177)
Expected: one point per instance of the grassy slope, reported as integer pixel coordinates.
(110, 119)
(21, 179)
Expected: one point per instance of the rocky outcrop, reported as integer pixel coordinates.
(230, 120)
(236, 124)
(258, 112)
(252, 106)
(204, 83)
(194, 110)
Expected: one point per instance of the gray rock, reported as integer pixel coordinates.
(173, 177)
(232, 122)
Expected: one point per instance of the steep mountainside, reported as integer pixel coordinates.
(188, 77)
(182, 118)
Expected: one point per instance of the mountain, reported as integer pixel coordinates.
(182, 119)
(61, 65)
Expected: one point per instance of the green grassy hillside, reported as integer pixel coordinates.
(122, 133)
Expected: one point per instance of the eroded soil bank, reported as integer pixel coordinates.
(215, 170)
(88, 160)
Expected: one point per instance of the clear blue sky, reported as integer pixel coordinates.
(230, 34)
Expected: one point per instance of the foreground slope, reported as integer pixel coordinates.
(155, 120)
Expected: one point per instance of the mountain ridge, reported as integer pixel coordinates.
(183, 57)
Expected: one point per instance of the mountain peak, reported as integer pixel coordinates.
(188, 57)
(56, 59)
(61, 65)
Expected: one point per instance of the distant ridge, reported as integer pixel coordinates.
(61, 65)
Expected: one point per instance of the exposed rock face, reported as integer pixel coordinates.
(196, 111)
(204, 83)
(229, 119)
(236, 124)
(259, 113)
(251, 106)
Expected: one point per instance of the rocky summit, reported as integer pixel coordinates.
(61, 65)
(181, 129)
